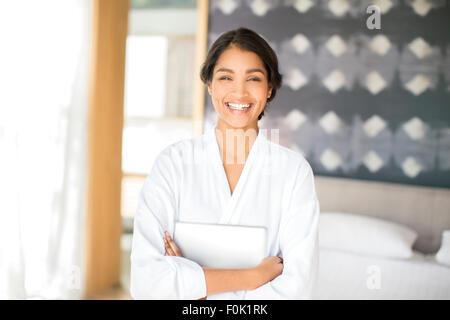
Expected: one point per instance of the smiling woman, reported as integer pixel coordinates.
(255, 63)
(240, 178)
(239, 91)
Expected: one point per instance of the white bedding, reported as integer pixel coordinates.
(344, 275)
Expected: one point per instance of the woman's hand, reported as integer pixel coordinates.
(268, 269)
(170, 246)
(172, 249)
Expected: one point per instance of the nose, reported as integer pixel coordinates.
(240, 89)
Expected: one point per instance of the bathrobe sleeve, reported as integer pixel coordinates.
(298, 243)
(154, 275)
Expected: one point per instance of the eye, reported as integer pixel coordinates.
(225, 78)
(255, 79)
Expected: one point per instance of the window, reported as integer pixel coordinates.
(159, 79)
(139, 4)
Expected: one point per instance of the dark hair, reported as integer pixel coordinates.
(248, 40)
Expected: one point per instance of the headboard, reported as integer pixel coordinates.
(424, 209)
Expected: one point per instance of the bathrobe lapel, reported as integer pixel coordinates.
(230, 200)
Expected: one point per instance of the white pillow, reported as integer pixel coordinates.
(443, 255)
(365, 235)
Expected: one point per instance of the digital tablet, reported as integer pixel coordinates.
(221, 246)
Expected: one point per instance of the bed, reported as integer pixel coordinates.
(363, 257)
(404, 255)
(344, 275)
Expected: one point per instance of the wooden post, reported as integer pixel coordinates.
(201, 50)
(103, 222)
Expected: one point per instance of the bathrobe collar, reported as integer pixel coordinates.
(216, 161)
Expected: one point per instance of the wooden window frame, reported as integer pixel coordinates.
(105, 128)
(105, 125)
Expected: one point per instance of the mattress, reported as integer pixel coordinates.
(344, 275)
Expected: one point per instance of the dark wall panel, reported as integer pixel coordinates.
(357, 103)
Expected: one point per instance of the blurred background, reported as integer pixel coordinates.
(92, 90)
(160, 54)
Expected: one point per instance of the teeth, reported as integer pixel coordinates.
(238, 106)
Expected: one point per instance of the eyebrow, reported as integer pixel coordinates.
(248, 71)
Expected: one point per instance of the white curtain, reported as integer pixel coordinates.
(44, 62)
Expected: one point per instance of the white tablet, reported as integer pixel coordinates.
(221, 246)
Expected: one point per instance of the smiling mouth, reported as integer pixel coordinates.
(237, 106)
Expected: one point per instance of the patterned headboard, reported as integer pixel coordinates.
(426, 210)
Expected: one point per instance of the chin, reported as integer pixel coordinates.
(239, 123)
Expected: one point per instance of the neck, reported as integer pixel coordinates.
(235, 143)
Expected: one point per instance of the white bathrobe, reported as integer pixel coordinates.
(188, 183)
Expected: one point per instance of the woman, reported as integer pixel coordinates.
(212, 179)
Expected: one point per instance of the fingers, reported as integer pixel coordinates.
(277, 259)
(170, 246)
(169, 251)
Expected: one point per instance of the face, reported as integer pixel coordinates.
(239, 88)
